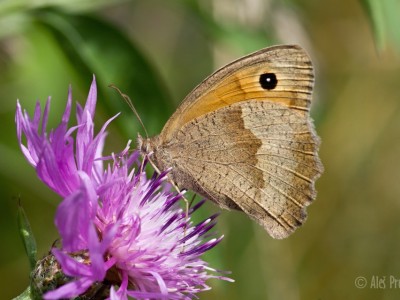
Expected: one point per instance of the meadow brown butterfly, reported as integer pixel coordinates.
(244, 139)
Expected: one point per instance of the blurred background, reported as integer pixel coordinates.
(156, 51)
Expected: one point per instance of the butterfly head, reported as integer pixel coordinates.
(148, 146)
(143, 145)
(154, 152)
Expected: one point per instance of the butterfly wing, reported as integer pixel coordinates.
(244, 139)
(239, 81)
(259, 157)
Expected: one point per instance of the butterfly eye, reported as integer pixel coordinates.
(268, 81)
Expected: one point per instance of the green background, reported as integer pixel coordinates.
(156, 52)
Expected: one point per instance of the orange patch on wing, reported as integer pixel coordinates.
(292, 90)
(240, 80)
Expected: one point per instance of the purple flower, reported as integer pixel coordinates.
(135, 239)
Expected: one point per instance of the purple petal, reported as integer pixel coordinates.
(37, 114)
(45, 116)
(121, 294)
(71, 222)
(58, 172)
(84, 138)
(67, 111)
(161, 283)
(69, 290)
(92, 98)
(74, 216)
(96, 255)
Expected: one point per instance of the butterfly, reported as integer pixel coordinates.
(244, 139)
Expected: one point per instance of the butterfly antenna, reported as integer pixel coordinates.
(131, 106)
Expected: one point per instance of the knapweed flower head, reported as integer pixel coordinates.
(120, 231)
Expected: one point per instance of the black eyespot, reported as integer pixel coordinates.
(268, 81)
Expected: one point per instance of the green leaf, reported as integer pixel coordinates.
(14, 14)
(27, 236)
(94, 46)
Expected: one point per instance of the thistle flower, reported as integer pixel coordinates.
(119, 230)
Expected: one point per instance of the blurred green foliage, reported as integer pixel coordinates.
(385, 21)
(156, 51)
